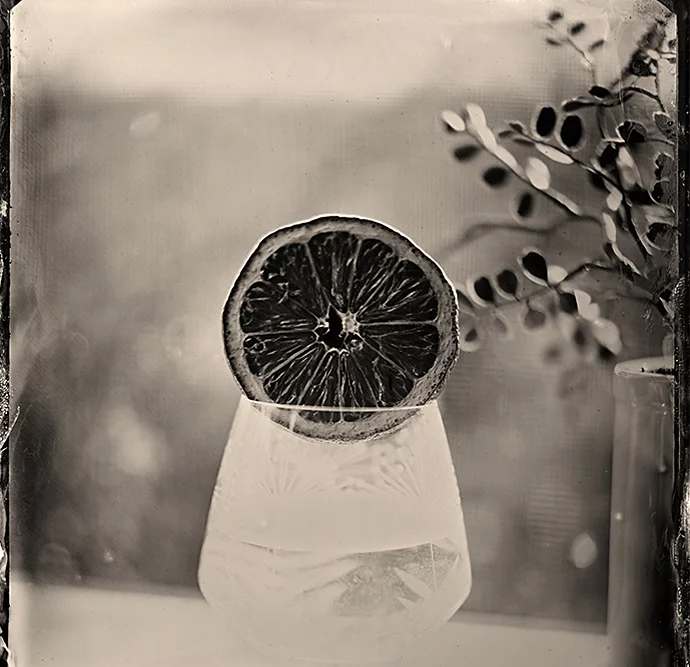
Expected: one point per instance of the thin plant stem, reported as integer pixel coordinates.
(586, 57)
(617, 182)
(561, 201)
(488, 227)
(580, 163)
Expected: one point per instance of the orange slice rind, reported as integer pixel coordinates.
(336, 314)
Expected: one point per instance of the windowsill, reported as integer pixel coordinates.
(63, 626)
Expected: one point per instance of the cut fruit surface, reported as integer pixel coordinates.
(341, 313)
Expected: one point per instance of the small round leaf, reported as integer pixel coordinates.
(607, 335)
(665, 124)
(470, 337)
(599, 91)
(482, 291)
(597, 181)
(554, 154)
(534, 318)
(487, 137)
(567, 302)
(466, 152)
(522, 140)
(632, 132)
(584, 300)
(661, 235)
(475, 116)
(553, 354)
(606, 155)
(639, 196)
(577, 28)
(525, 205)
(556, 275)
(507, 283)
(578, 103)
(517, 126)
(572, 131)
(610, 228)
(626, 159)
(495, 176)
(663, 193)
(534, 266)
(452, 122)
(614, 200)
(538, 173)
(505, 156)
(499, 327)
(666, 297)
(545, 121)
(664, 165)
(618, 259)
(640, 66)
(581, 336)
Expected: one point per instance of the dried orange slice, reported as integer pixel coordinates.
(344, 313)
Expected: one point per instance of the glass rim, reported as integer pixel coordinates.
(299, 407)
(645, 367)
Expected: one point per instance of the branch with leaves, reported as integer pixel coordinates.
(621, 137)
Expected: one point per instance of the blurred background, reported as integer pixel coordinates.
(153, 144)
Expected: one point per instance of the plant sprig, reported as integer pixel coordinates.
(634, 209)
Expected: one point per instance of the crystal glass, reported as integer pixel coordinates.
(335, 551)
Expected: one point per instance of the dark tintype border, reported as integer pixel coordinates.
(5, 6)
(681, 495)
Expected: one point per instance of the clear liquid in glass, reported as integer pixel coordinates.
(336, 552)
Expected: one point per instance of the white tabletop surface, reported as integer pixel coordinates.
(61, 626)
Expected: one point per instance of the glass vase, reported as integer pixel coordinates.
(640, 586)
